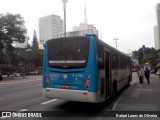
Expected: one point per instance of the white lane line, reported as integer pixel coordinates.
(18, 82)
(49, 101)
(23, 110)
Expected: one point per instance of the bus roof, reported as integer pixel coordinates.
(90, 34)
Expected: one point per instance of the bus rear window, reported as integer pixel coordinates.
(69, 52)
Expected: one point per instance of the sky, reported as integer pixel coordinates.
(131, 21)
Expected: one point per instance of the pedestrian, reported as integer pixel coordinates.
(147, 74)
(158, 72)
(140, 75)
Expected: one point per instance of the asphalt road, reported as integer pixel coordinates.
(26, 95)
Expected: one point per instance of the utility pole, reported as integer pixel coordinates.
(116, 41)
(64, 7)
(143, 50)
(85, 12)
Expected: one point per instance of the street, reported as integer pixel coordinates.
(23, 95)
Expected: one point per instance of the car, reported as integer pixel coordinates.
(34, 73)
(15, 75)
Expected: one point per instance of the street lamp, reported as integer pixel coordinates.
(64, 7)
(116, 41)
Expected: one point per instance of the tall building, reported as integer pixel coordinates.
(49, 26)
(79, 31)
(157, 35)
(86, 28)
(156, 38)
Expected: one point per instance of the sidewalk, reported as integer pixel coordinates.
(141, 97)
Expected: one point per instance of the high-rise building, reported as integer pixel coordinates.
(156, 38)
(49, 26)
(84, 26)
(157, 29)
(79, 31)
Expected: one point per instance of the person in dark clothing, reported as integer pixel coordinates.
(147, 74)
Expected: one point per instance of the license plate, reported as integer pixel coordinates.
(65, 86)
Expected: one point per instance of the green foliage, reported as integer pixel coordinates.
(11, 29)
(150, 58)
(146, 55)
(35, 41)
(35, 51)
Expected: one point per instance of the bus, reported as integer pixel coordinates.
(83, 68)
(135, 68)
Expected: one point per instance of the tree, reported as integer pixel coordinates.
(145, 54)
(35, 50)
(150, 58)
(11, 29)
(35, 41)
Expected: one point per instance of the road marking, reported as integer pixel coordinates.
(23, 110)
(19, 82)
(49, 101)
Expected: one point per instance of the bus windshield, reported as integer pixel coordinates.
(69, 52)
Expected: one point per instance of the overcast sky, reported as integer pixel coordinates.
(131, 21)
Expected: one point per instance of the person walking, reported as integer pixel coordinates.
(147, 74)
(158, 72)
(140, 75)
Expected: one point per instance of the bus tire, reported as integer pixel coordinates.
(114, 91)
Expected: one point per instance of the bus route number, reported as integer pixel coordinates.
(77, 75)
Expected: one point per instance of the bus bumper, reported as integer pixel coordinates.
(73, 95)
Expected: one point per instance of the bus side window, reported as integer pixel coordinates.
(100, 57)
(114, 63)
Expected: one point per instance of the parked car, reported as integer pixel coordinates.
(15, 75)
(34, 73)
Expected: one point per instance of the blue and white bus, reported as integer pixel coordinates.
(83, 68)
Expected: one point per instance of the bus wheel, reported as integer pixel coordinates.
(114, 94)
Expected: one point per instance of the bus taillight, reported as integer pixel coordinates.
(87, 81)
(47, 81)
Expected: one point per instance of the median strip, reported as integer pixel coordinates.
(49, 101)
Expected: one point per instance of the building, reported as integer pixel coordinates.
(49, 26)
(156, 38)
(79, 31)
(86, 27)
(157, 29)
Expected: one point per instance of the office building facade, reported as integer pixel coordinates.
(79, 31)
(157, 28)
(156, 38)
(49, 26)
